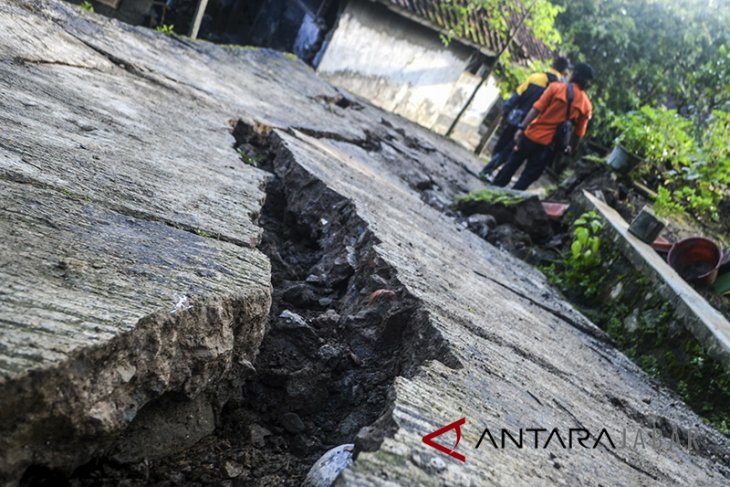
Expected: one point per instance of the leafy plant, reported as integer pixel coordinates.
(650, 52)
(249, 159)
(510, 75)
(489, 196)
(656, 135)
(691, 174)
(167, 29)
(86, 6)
(506, 20)
(665, 205)
(577, 273)
(584, 250)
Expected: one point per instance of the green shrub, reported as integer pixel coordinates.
(657, 135)
(576, 274)
(167, 29)
(691, 174)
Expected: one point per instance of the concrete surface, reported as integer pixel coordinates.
(127, 264)
(124, 191)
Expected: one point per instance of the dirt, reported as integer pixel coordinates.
(341, 328)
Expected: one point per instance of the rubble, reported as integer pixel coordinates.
(509, 206)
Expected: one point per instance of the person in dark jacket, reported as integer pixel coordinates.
(515, 109)
(536, 144)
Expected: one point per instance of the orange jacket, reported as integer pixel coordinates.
(552, 106)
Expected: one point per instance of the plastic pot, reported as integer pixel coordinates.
(621, 160)
(696, 259)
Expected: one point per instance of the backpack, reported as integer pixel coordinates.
(564, 132)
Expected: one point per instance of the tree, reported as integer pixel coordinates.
(650, 52)
(504, 19)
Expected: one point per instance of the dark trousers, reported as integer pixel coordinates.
(503, 148)
(537, 156)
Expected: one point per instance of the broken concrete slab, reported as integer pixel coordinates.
(523, 357)
(87, 104)
(504, 349)
(127, 267)
(508, 206)
(706, 323)
(102, 313)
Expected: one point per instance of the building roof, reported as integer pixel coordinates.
(437, 15)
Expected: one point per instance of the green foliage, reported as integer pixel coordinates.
(670, 353)
(541, 22)
(657, 135)
(690, 169)
(645, 328)
(715, 161)
(576, 274)
(584, 250)
(510, 75)
(489, 196)
(665, 205)
(503, 18)
(86, 6)
(650, 52)
(461, 15)
(168, 29)
(249, 159)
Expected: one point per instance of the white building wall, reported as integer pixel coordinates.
(467, 130)
(404, 67)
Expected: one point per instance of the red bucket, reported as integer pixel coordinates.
(696, 259)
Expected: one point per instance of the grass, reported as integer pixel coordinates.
(167, 29)
(249, 159)
(490, 196)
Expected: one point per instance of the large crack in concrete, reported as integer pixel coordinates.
(341, 329)
(378, 299)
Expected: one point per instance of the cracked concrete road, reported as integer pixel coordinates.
(120, 190)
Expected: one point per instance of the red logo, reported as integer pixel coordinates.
(428, 439)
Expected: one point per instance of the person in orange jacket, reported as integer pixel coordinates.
(515, 109)
(535, 135)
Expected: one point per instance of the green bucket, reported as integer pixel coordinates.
(722, 284)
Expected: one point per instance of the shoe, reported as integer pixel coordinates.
(485, 176)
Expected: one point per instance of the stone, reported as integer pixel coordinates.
(328, 352)
(481, 224)
(103, 230)
(258, 435)
(292, 423)
(232, 469)
(436, 464)
(164, 426)
(326, 470)
(509, 238)
(436, 199)
(293, 320)
(509, 206)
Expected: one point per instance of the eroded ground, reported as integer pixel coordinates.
(388, 320)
